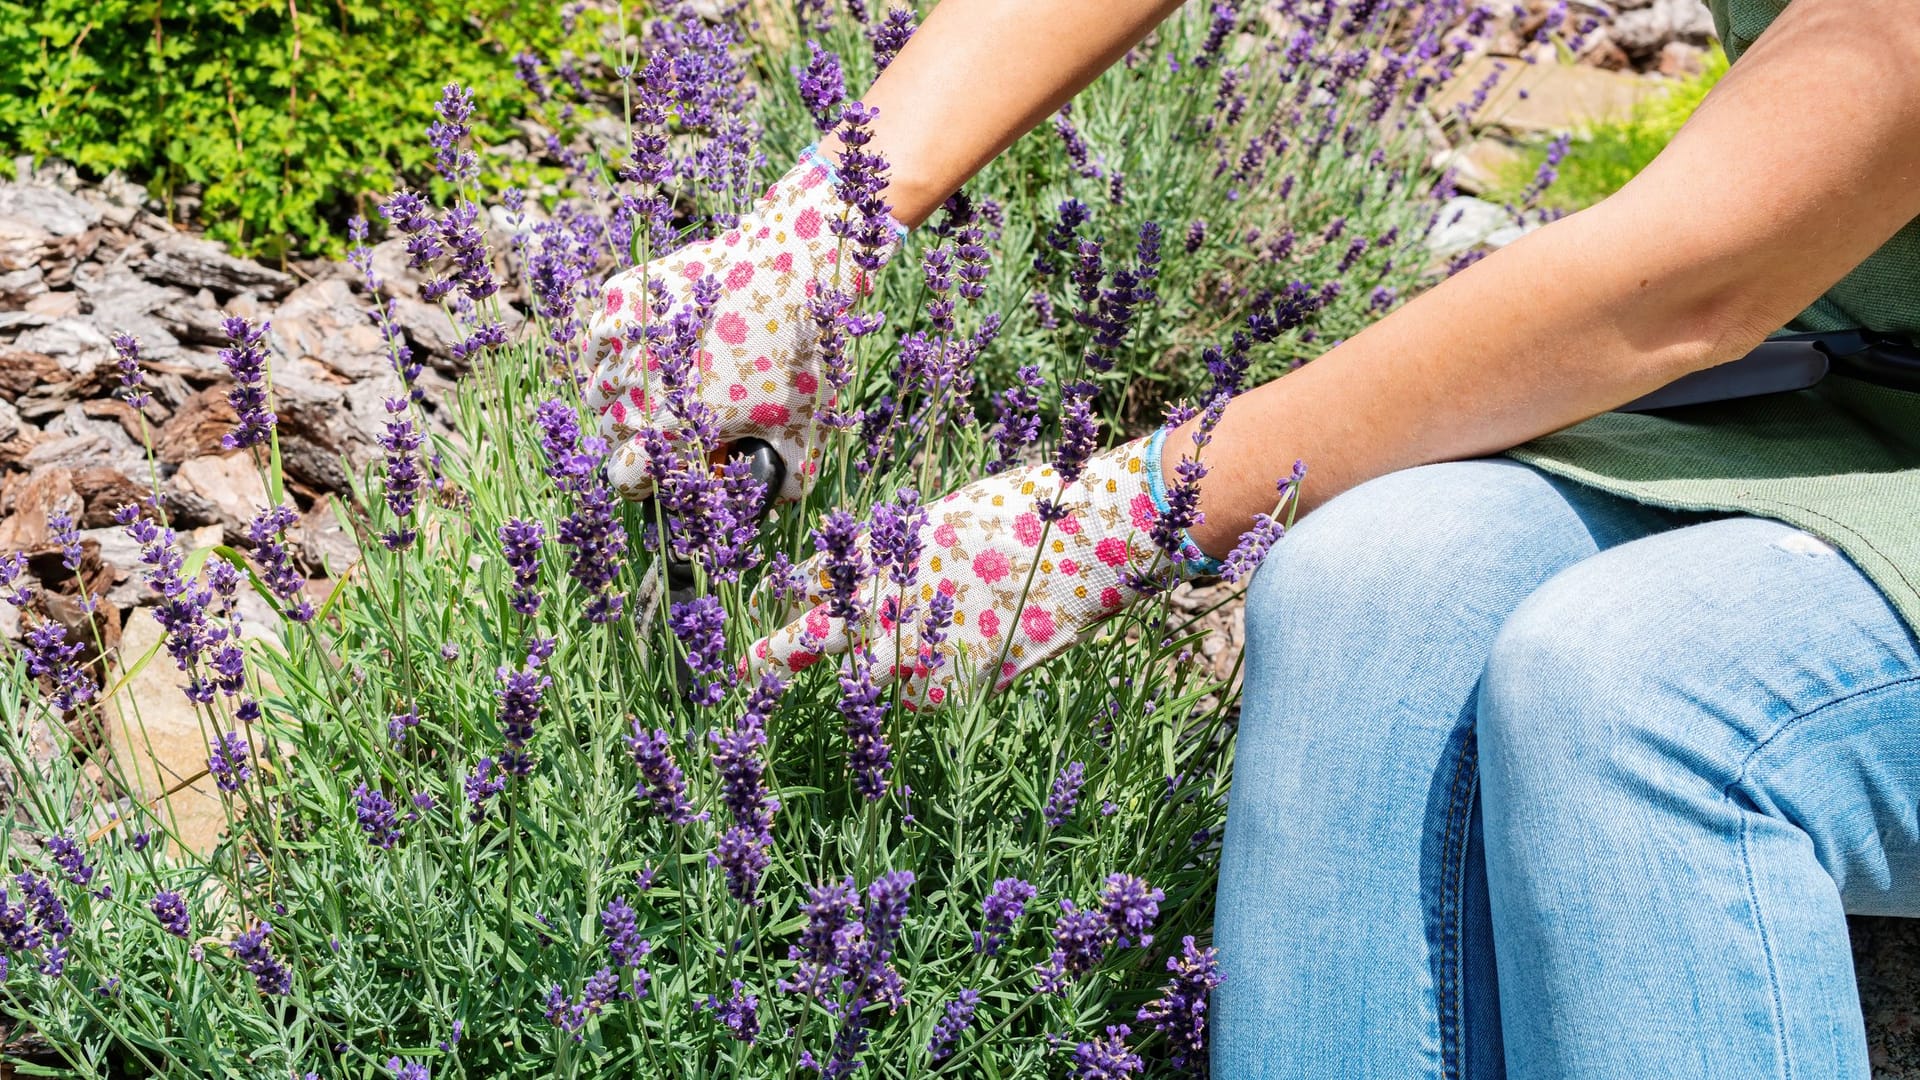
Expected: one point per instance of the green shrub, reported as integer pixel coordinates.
(1604, 156)
(285, 112)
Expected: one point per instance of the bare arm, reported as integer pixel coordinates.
(1801, 162)
(981, 73)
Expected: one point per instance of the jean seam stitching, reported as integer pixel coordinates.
(1452, 912)
(1746, 857)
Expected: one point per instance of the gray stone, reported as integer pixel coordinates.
(19, 286)
(155, 738)
(195, 263)
(56, 212)
(1642, 33)
(323, 321)
(75, 343)
(1467, 222)
(231, 484)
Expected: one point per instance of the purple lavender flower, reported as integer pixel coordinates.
(521, 541)
(1080, 940)
(822, 85)
(890, 35)
(1079, 433)
(1017, 417)
(16, 586)
(519, 696)
(741, 854)
(269, 974)
(894, 537)
(70, 858)
(1196, 235)
(825, 942)
(1065, 795)
(592, 532)
(1169, 531)
(1180, 1012)
(740, 1013)
(482, 784)
(838, 541)
(948, 1029)
(227, 761)
(1107, 1058)
(701, 626)
(1131, 906)
(246, 359)
(738, 761)
(126, 349)
(1252, 548)
(624, 943)
(445, 134)
(49, 655)
(268, 534)
(1078, 155)
(869, 757)
(1003, 907)
(400, 723)
(858, 182)
(662, 785)
(464, 235)
(170, 908)
(377, 817)
(407, 1070)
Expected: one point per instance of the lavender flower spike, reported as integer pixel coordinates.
(246, 359)
(1065, 794)
(662, 784)
(1180, 1012)
(1000, 910)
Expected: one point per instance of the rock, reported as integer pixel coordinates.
(76, 343)
(1481, 165)
(1467, 222)
(195, 263)
(426, 328)
(196, 427)
(325, 543)
(122, 302)
(56, 212)
(195, 320)
(103, 490)
(230, 483)
(1679, 59)
(22, 285)
(1647, 30)
(9, 420)
(69, 452)
(156, 741)
(323, 321)
(31, 503)
(390, 266)
(1544, 97)
(22, 370)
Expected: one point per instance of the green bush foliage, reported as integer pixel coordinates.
(284, 112)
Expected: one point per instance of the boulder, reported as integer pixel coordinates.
(195, 263)
(323, 321)
(1467, 222)
(156, 741)
(230, 483)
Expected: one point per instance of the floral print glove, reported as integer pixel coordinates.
(963, 565)
(760, 370)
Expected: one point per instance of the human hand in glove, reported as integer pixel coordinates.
(988, 582)
(759, 369)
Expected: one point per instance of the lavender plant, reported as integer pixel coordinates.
(495, 814)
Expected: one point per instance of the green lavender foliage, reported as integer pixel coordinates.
(466, 926)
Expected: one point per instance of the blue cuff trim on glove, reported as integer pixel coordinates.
(812, 153)
(1201, 563)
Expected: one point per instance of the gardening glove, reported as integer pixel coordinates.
(759, 368)
(965, 623)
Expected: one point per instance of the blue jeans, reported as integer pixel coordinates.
(1535, 781)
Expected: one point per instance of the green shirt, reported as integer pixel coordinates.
(1841, 460)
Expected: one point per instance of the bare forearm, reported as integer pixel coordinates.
(1796, 168)
(981, 73)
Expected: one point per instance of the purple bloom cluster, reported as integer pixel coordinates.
(619, 924)
(269, 974)
(401, 441)
(520, 541)
(1180, 1012)
(70, 858)
(482, 784)
(50, 655)
(592, 533)
(701, 626)
(848, 949)
(227, 761)
(838, 541)
(822, 85)
(662, 785)
(519, 696)
(952, 1024)
(246, 359)
(601, 989)
(377, 817)
(1065, 795)
(38, 921)
(1003, 907)
(126, 350)
(739, 1012)
(869, 757)
(858, 182)
(890, 35)
(737, 758)
(1081, 938)
(1017, 417)
(1107, 1058)
(170, 910)
(454, 111)
(267, 532)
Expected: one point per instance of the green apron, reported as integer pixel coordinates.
(1841, 460)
